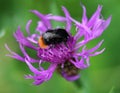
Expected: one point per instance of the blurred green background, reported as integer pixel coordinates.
(103, 76)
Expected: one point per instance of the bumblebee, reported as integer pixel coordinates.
(53, 37)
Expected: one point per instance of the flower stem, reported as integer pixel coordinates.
(78, 83)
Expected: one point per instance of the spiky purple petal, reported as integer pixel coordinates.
(70, 78)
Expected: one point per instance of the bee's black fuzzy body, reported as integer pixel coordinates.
(55, 36)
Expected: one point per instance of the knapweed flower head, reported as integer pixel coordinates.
(60, 50)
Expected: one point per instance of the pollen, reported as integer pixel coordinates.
(41, 43)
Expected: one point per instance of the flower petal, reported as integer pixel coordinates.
(13, 54)
(33, 69)
(40, 76)
(57, 18)
(68, 21)
(28, 26)
(80, 64)
(84, 17)
(22, 39)
(94, 17)
(45, 21)
(70, 78)
(98, 52)
(41, 27)
(98, 31)
(96, 47)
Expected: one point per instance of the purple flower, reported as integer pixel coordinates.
(67, 58)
